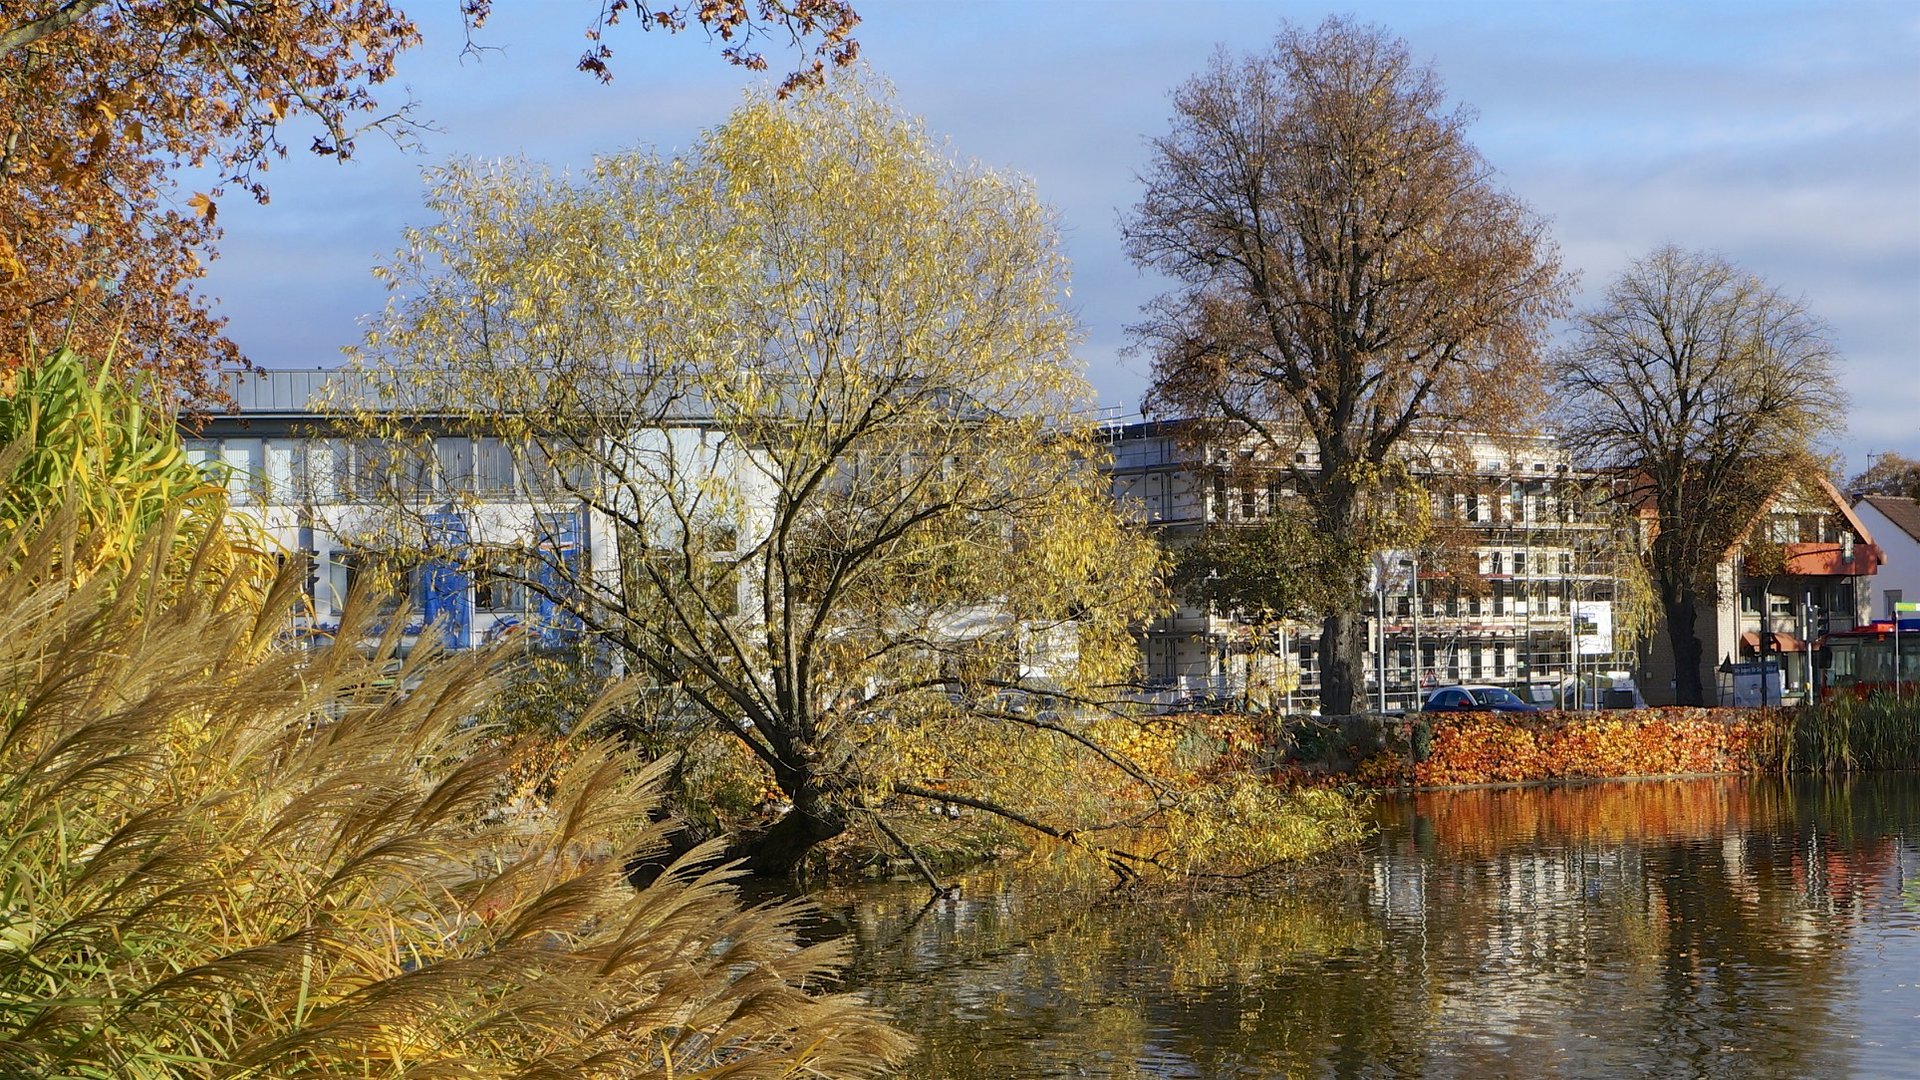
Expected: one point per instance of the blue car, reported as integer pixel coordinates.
(1475, 699)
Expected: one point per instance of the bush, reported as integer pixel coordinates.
(1481, 748)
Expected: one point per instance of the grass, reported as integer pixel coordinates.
(224, 857)
(1879, 733)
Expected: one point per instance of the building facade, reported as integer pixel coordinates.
(1527, 595)
(504, 531)
(1805, 568)
(1895, 524)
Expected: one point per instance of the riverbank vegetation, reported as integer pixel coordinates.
(1880, 733)
(229, 856)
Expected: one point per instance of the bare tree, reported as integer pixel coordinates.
(1350, 274)
(1710, 388)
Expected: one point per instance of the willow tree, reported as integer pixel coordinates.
(1711, 390)
(813, 380)
(1351, 277)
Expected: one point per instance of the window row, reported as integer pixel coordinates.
(295, 471)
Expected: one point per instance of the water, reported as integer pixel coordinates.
(1700, 928)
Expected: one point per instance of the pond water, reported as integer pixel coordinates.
(1697, 928)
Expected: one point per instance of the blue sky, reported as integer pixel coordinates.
(1783, 136)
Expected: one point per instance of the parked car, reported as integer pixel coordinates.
(1475, 699)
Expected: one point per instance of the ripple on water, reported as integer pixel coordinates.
(1707, 928)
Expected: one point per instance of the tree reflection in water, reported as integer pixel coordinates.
(1717, 927)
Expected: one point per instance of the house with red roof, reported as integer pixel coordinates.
(1805, 567)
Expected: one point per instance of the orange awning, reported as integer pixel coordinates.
(1782, 642)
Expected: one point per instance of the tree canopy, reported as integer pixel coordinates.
(107, 103)
(816, 378)
(1350, 274)
(1712, 390)
(1889, 473)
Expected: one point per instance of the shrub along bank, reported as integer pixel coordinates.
(1881, 733)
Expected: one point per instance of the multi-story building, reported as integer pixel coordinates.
(1527, 593)
(317, 491)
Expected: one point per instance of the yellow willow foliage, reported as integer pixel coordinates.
(225, 862)
(815, 376)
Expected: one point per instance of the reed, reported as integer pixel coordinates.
(1878, 733)
(222, 856)
(94, 446)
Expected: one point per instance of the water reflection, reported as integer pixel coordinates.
(1698, 928)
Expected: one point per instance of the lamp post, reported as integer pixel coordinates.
(1414, 586)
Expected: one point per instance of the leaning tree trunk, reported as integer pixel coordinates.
(817, 816)
(1682, 609)
(1343, 664)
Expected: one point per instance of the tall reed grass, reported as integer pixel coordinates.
(221, 856)
(1877, 734)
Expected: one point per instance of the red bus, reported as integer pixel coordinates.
(1861, 661)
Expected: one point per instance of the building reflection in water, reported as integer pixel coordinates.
(1714, 927)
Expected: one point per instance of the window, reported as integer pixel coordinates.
(539, 474)
(246, 473)
(1519, 562)
(493, 467)
(203, 453)
(333, 582)
(499, 587)
(323, 473)
(1496, 563)
(285, 462)
(392, 579)
(455, 458)
(1475, 659)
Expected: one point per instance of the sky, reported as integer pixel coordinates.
(1785, 137)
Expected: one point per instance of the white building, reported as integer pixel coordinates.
(505, 523)
(1895, 524)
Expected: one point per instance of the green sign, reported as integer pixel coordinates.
(1910, 607)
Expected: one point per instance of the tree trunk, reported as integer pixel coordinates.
(1682, 610)
(1343, 665)
(779, 849)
